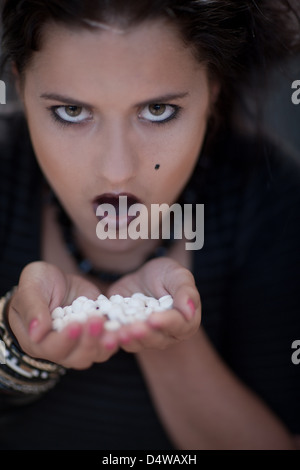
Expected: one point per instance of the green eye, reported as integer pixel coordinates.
(73, 111)
(72, 114)
(159, 113)
(157, 109)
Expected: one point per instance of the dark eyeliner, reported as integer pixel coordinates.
(174, 115)
(57, 118)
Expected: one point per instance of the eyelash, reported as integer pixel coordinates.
(175, 115)
(63, 123)
(57, 118)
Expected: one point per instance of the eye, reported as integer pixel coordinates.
(72, 114)
(158, 112)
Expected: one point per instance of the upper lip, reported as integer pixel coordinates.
(112, 198)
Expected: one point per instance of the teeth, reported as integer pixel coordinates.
(116, 310)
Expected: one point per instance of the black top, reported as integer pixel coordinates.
(247, 273)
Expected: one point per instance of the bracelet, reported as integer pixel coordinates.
(19, 373)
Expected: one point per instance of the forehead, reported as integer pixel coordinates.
(148, 53)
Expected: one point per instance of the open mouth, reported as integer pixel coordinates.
(113, 208)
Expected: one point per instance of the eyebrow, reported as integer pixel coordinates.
(75, 102)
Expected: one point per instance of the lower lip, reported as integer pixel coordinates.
(120, 221)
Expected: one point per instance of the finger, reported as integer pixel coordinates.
(180, 284)
(76, 345)
(141, 335)
(109, 341)
(29, 315)
(173, 324)
(86, 350)
(78, 286)
(40, 284)
(57, 346)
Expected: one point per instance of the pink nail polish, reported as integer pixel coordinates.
(191, 307)
(74, 332)
(32, 326)
(110, 345)
(95, 329)
(125, 339)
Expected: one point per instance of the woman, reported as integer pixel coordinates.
(120, 99)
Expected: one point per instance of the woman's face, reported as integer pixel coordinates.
(115, 112)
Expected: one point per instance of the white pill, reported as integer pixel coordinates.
(148, 311)
(80, 317)
(88, 305)
(58, 312)
(94, 312)
(104, 305)
(58, 324)
(118, 299)
(139, 295)
(160, 308)
(82, 298)
(166, 301)
(128, 310)
(151, 302)
(77, 306)
(137, 303)
(112, 325)
(101, 297)
(68, 310)
(115, 311)
(123, 318)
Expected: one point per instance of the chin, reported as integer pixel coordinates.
(118, 246)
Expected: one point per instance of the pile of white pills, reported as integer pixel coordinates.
(117, 310)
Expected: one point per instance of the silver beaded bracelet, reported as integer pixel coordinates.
(19, 373)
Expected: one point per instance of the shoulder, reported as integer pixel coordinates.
(251, 195)
(243, 161)
(257, 179)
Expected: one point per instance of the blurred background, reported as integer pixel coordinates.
(281, 116)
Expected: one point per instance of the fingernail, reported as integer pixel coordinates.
(125, 339)
(110, 345)
(33, 325)
(95, 328)
(138, 333)
(192, 308)
(74, 331)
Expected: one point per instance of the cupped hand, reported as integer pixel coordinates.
(157, 278)
(42, 287)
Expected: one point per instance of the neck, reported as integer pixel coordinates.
(116, 257)
(119, 256)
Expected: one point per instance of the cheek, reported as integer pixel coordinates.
(49, 156)
(56, 166)
(55, 155)
(178, 162)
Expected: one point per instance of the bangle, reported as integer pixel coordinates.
(19, 373)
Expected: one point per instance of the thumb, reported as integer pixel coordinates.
(29, 315)
(41, 287)
(180, 283)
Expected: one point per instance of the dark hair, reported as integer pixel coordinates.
(234, 37)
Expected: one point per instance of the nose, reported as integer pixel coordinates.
(118, 160)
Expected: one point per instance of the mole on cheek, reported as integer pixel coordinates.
(157, 167)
